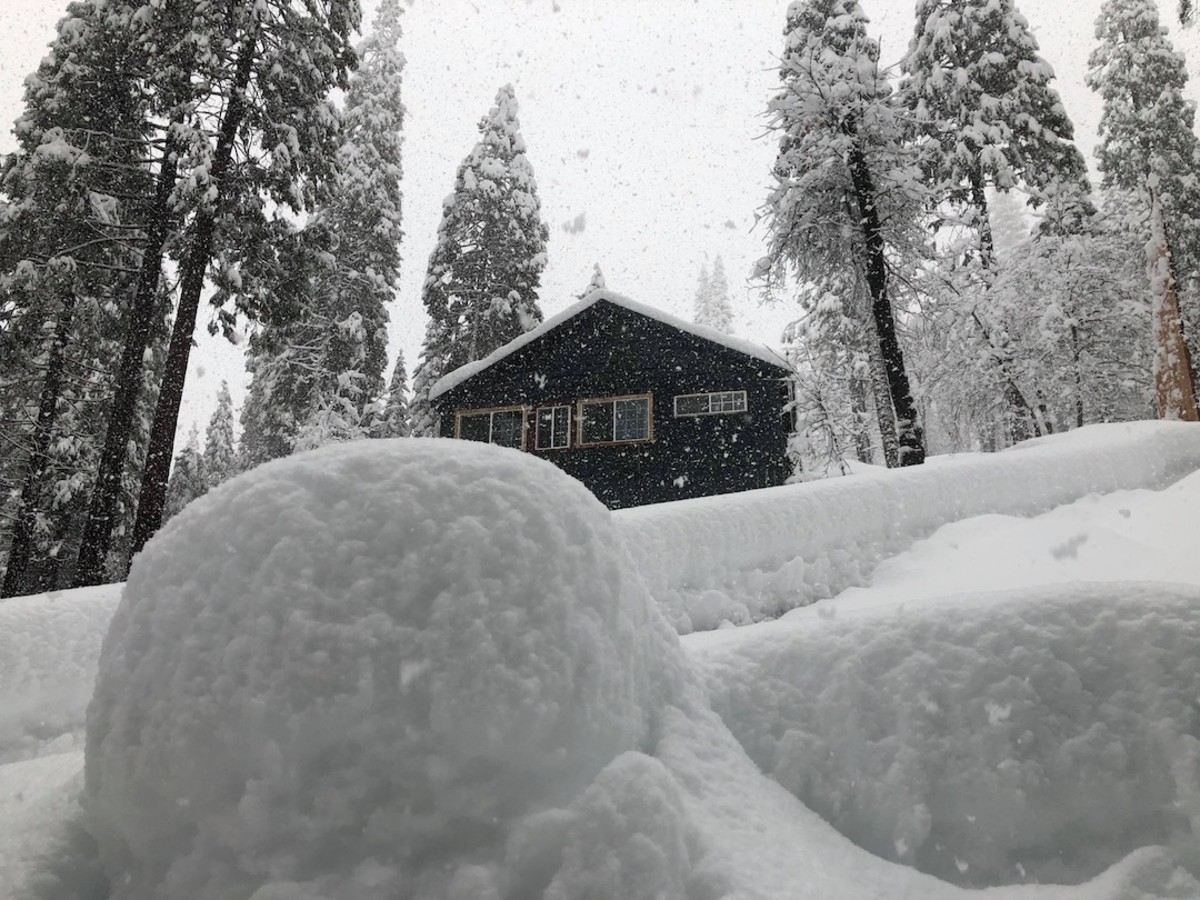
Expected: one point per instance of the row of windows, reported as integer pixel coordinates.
(604, 420)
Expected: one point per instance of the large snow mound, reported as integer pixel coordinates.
(749, 556)
(49, 648)
(355, 669)
(1032, 735)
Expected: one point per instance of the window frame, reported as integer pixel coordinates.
(648, 397)
(491, 411)
(710, 411)
(537, 429)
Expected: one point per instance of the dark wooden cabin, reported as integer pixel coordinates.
(638, 405)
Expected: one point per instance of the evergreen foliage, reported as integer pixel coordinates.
(220, 452)
(189, 477)
(712, 306)
(1148, 147)
(317, 365)
(847, 194)
(394, 420)
(480, 288)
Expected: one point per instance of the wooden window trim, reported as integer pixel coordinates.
(710, 395)
(524, 410)
(541, 409)
(649, 438)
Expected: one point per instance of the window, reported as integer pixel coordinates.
(554, 427)
(613, 420)
(504, 427)
(710, 404)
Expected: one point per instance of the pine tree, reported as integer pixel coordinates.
(78, 216)
(986, 115)
(317, 366)
(984, 106)
(220, 454)
(423, 417)
(394, 421)
(700, 302)
(189, 477)
(483, 276)
(846, 194)
(1147, 147)
(215, 76)
(713, 307)
(595, 284)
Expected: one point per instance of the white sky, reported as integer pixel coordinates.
(642, 116)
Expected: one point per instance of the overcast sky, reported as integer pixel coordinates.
(644, 125)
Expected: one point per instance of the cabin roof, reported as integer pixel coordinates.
(452, 379)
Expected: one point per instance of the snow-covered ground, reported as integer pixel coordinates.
(434, 669)
(744, 557)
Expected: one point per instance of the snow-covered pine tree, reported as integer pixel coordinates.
(846, 194)
(317, 366)
(481, 285)
(595, 284)
(423, 419)
(394, 420)
(713, 307)
(1147, 147)
(985, 114)
(984, 108)
(700, 301)
(189, 477)
(217, 76)
(220, 453)
(78, 214)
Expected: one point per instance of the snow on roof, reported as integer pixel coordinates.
(749, 348)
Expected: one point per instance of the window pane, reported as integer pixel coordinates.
(632, 420)
(506, 428)
(545, 428)
(694, 405)
(474, 428)
(562, 426)
(554, 427)
(597, 422)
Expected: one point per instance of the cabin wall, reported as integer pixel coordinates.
(607, 351)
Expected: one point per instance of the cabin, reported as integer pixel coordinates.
(640, 406)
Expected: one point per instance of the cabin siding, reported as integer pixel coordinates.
(608, 351)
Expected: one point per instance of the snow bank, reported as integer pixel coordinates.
(1032, 735)
(354, 671)
(49, 647)
(750, 556)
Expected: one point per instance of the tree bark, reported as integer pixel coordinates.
(909, 432)
(161, 448)
(1174, 390)
(106, 492)
(17, 577)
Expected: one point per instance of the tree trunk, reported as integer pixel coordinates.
(884, 414)
(1076, 364)
(161, 447)
(17, 577)
(909, 432)
(1174, 391)
(106, 492)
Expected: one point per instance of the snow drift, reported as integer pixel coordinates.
(49, 648)
(1034, 735)
(385, 651)
(746, 557)
(417, 670)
